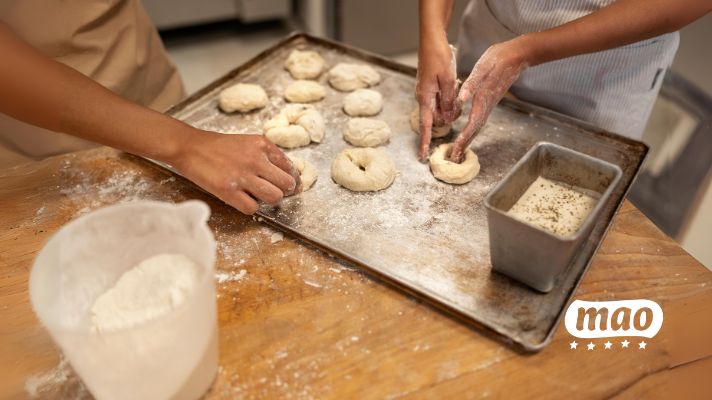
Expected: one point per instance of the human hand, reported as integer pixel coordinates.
(489, 81)
(436, 88)
(238, 168)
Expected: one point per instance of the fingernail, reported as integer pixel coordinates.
(463, 95)
(449, 115)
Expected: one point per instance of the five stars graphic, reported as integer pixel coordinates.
(574, 344)
(591, 346)
(642, 345)
(608, 345)
(625, 343)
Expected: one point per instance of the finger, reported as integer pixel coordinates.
(281, 161)
(473, 126)
(276, 176)
(438, 119)
(481, 71)
(243, 202)
(263, 190)
(426, 125)
(448, 97)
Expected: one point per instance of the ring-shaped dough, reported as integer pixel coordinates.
(366, 132)
(307, 171)
(296, 125)
(242, 97)
(363, 103)
(436, 132)
(304, 92)
(363, 170)
(304, 64)
(349, 77)
(448, 171)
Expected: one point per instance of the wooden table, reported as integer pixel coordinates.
(301, 324)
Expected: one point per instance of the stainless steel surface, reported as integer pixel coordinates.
(422, 235)
(528, 253)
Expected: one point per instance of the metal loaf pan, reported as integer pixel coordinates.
(528, 253)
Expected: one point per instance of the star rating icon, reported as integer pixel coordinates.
(608, 345)
(625, 343)
(574, 344)
(642, 345)
(591, 346)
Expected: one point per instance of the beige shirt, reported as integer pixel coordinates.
(110, 41)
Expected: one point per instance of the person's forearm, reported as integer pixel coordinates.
(434, 17)
(46, 93)
(618, 24)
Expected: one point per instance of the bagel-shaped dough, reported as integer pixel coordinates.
(349, 77)
(306, 170)
(363, 170)
(363, 102)
(436, 132)
(448, 171)
(304, 64)
(304, 92)
(366, 132)
(242, 97)
(296, 125)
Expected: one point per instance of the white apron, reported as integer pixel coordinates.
(613, 89)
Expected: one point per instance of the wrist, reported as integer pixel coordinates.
(529, 49)
(181, 145)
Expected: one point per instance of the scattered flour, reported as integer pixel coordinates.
(150, 290)
(230, 276)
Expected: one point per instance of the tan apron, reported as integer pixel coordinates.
(111, 41)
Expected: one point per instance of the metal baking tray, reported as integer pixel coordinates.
(424, 236)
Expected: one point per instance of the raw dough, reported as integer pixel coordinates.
(150, 290)
(436, 132)
(349, 77)
(276, 237)
(304, 92)
(363, 102)
(242, 97)
(450, 172)
(304, 64)
(363, 170)
(306, 170)
(296, 125)
(366, 132)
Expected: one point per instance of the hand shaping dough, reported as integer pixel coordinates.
(366, 132)
(363, 170)
(363, 102)
(436, 132)
(349, 77)
(242, 97)
(307, 171)
(296, 125)
(450, 172)
(304, 92)
(304, 64)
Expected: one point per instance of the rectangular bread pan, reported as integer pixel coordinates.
(528, 253)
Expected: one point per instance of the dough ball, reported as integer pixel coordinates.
(296, 125)
(304, 92)
(307, 171)
(366, 132)
(349, 77)
(304, 64)
(436, 132)
(450, 172)
(363, 170)
(363, 102)
(242, 97)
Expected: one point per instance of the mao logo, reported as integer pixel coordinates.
(587, 319)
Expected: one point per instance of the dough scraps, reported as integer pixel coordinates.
(363, 103)
(242, 97)
(304, 64)
(349, 77)
(363, 170)
(296, 125)
(366, 132)
(448, 171)
(304, 92)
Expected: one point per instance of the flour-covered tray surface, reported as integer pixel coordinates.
(422, 235)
